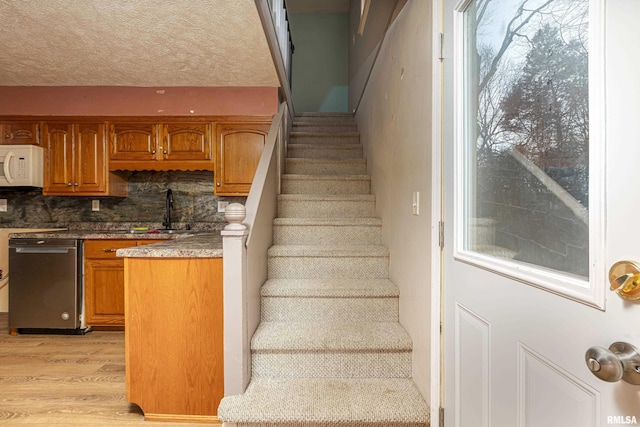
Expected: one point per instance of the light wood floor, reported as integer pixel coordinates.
(66, 380)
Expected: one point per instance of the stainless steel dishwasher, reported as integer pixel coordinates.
(45, 285)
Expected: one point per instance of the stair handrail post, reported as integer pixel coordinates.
(234, 267)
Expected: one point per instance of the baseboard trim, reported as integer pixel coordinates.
(211, 419)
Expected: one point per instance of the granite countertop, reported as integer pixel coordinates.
(201, 245)
(64, 233)
(177, 244)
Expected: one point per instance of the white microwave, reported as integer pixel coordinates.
(21, 166)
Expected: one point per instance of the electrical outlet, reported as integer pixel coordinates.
(3, 205)
(95, 205)
(416, 203)
(222, 206)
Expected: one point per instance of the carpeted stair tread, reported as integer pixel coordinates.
(311, 166)
(330, 336)
(327, 147)
(326, 184)
(325, 127)
(323, 138)
(300, 114)
(333, 251)
(297, 133)
(330, 288)
(337, 222)
(327, 197)
(325, 151)
(326, 205)
(311, 177)
(323, 117)
(327, 231)
(307, 160)
(328, 402)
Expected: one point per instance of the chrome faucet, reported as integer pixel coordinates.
(168, 206)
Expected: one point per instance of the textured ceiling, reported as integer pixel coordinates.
(133, 43)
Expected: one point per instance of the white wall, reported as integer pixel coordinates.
(394, 119)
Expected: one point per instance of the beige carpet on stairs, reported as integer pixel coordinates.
(329, 350)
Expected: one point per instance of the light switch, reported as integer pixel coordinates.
(3, 205)
(416, 203)
(222, 206)
(95, 205)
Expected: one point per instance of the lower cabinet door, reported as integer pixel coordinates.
(104, 292)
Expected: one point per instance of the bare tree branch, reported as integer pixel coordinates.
(508, 38)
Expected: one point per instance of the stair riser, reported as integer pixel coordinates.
(332, 365)
(335, 167)
(300, 309)
(334, 119)
(326, 235)
(320, 139)
(326, 208)
(325, 186)
(302, 267)
(320, 152)
(324, 128)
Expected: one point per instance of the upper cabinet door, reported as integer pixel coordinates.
(133, 141)
(239, 147)
(58, 157)
(75, 161)
(19, 133)
(186, 141)
(90, 155)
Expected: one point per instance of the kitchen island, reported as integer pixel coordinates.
(174, 328)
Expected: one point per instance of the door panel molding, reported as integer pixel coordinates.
(549, 396)
(472, 368)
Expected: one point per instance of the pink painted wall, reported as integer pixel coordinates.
(137, 101)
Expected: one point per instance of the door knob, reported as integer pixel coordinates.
(624, 277)
(621, 361)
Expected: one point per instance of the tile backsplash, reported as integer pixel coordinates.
(194, 204)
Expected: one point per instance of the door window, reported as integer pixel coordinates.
(523, 189)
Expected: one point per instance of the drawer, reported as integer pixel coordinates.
(105, 249)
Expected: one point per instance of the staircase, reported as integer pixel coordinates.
(329, 350)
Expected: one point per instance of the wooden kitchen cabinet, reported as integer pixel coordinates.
(186, 141)
(19, 133)
(239, 146)
(104, 281)
(132, 141)
(75, 161)
(160, 146)
(174, 337)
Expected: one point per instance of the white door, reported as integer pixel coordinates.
(539, 203)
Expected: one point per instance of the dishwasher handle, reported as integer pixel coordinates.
(43, 250)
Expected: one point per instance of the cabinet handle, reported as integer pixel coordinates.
(165, 151)
(7, 136)
(153, 151)
(218, 184)
(108, 251)
(75, 184)
(68, 184)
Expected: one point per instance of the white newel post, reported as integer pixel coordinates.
(234, 265)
